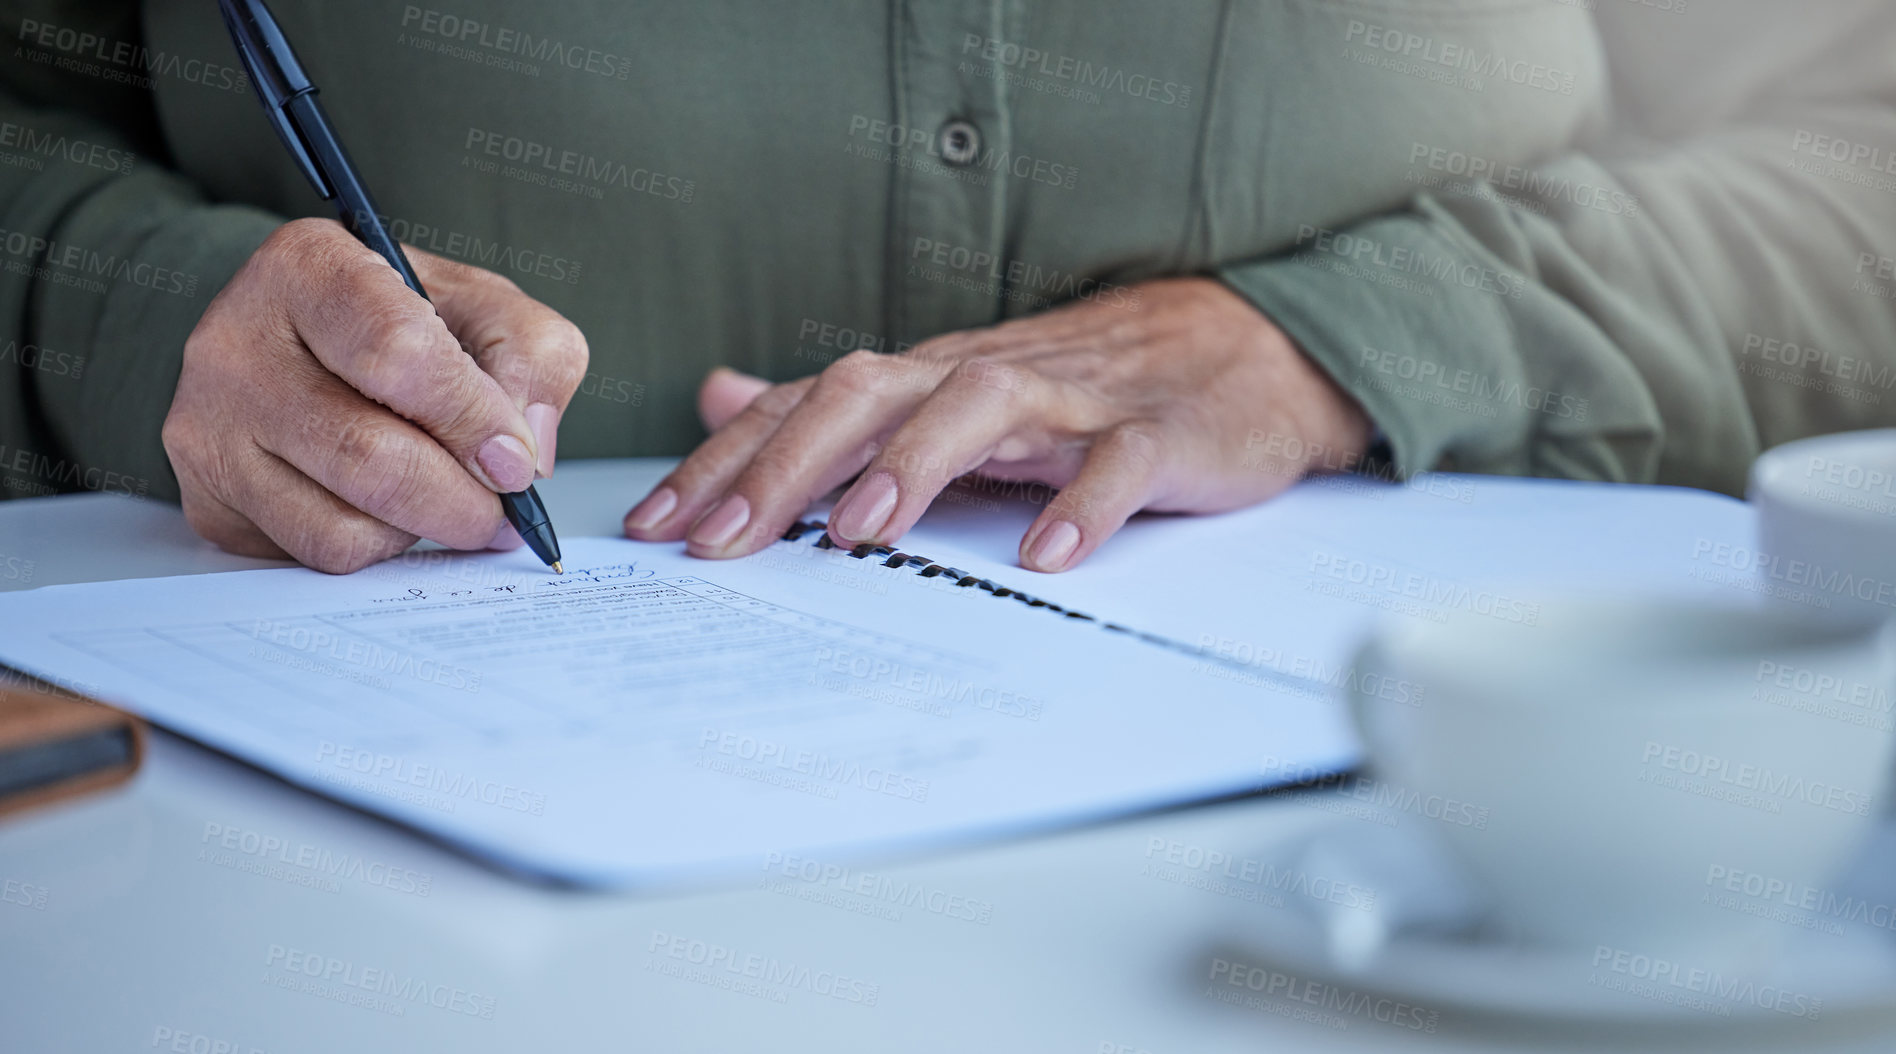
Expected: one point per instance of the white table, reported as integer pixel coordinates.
(150, 939)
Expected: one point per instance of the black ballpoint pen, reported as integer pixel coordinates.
(289, 100)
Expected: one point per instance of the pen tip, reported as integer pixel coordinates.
(557, 569)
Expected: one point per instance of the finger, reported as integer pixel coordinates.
(385, 467)
(368, 328)
(684, 495)
(725, 394)
(536, 355)
(315, 527)
(826, 438)
(957, 428)
(1118, 478)
(212, 519)
(226, 528)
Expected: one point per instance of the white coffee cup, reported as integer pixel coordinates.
(1626, 757)
(1827, 524)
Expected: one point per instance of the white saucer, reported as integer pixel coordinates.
(1450, 957)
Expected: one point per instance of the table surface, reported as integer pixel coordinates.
(124, 926)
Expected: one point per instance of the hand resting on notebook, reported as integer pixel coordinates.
(1154, 401)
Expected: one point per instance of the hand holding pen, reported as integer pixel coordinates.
(326, 412)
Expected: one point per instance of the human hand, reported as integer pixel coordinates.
(1123, 410)
(326, 413)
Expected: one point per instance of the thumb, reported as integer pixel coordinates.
(725, 393)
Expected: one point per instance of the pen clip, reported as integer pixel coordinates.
(292, 136)
(277, 76)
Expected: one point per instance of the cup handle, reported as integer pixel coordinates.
(1369, 718)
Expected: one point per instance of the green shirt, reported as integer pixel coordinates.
(1636, 242)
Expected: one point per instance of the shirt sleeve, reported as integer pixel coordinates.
(1710, 276)
(107, 261)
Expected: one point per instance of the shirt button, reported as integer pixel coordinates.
(960, 142)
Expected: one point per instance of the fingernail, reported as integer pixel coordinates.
(866, 509)
(506, 538)
(507, 462)
(723, 524)
(1055, 544)
(545, 422)
(656, 506)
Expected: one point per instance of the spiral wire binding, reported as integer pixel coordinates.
(930, 569)
(926, 568)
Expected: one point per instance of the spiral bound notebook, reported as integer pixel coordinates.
(651, 720)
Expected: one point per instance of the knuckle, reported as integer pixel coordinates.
(331, 553)
(959, 344)
(206, 336)
(192, 446)
(559, 356)
(913, 462)
(693, 476)
(489, 290)
(1124, 332)
(861, 373)
(397, 330)
(396, 348)
(1143, 442)
(179, 436)
(360, 443)
(470, 410)
(458, 272)
(514, 372)
(937, 351)
(295, 238)
(775, 402)
(210, 528)
(342, 547)
(306, 250)
(445, 270)
(1073, 506)
(224, 335)
(572, 349)
(769, 469)
(498, 283)
(991, 377)
(382, 469)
